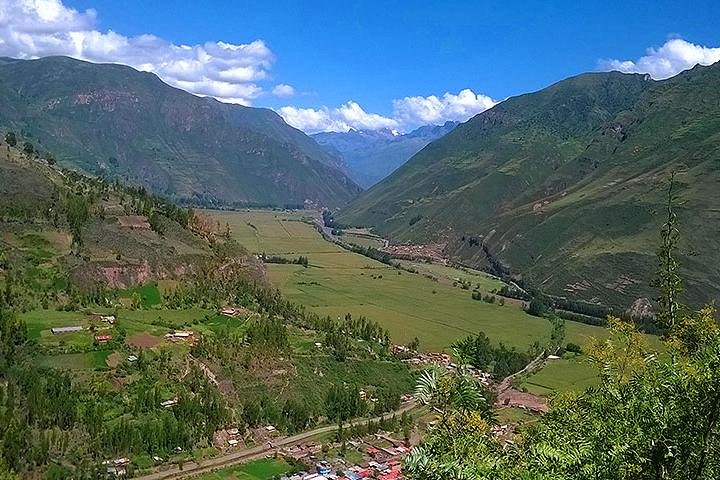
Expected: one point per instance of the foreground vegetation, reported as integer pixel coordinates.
(151, 371)
(651, 417)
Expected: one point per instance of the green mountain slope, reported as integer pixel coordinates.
(565, 186)
(114, 120)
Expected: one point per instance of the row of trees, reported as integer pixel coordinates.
(301, 260)
(500, 361)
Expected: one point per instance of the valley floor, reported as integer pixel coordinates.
(428, 304)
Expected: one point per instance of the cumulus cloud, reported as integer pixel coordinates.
(415, 111)
(348, 116)
(226, 71)
(408, 113)
(672, 58)
(283, 90)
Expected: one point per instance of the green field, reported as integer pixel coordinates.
(562, 375)
(76, 361)
(362, 240)
(266, 469)
(474, 277)
(408, 305)
(148, 294)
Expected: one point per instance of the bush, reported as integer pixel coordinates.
(11, 139)
(573, 347)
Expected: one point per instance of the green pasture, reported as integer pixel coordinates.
(559, 375)
(408, 305)
(149, 294)
(475, 277)
(265, 469)
(76, 361)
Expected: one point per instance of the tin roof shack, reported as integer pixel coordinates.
(233, 312)
(323, 467)
(117, 467)
(180, 336)
(58, 330)
(169, 403)
(103, 338)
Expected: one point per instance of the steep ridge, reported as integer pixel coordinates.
(116, 121)
(566, 185)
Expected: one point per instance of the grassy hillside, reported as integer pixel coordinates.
(116, 121)
(125, 272)
(61, 233)
(565, 186)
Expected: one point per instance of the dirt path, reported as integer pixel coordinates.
(507, 396)
(191, 469)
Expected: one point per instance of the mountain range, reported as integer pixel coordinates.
(369, 156)
(566, 186)
(118, 122)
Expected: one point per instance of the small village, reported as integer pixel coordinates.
(376, 456)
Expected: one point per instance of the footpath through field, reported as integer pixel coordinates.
(191, 469)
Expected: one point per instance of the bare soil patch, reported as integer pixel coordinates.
(144, 340)
(515, 398)
(114, 359)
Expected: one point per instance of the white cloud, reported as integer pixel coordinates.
(283, 90)
(348, 116)
(417, 111)
(408, 113)
(228, 72)
(672, 58)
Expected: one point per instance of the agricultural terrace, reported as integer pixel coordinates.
(408, 304)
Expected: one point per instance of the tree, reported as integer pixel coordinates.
(28, 148)
(537, 307)
(449, 393)
(11, 139)
(668, 279)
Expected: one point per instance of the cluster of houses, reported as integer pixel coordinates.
(443, 360)
(390, 470)
(93, 317)
(98, 317)
(383, 462)
(233, 434)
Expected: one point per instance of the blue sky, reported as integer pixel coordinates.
(374, 52)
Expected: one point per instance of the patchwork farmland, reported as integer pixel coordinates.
(408, 304)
